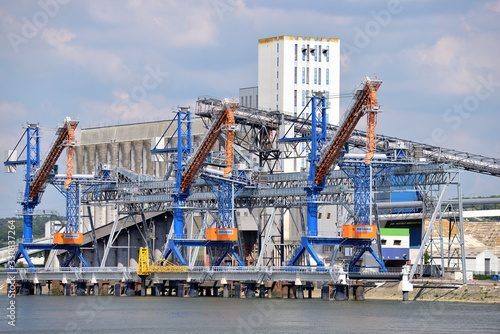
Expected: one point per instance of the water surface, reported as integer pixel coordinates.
(89, 314)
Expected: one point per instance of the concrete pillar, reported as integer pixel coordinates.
(181, 289)
(225, 291)
(101, 153)
(143, 285)
(300, 292)
(68, 289)
(262, 291)
(89, 157)
(340, 292)
(194, 290)
(112, 156)
(157, 290)
(130, 288)
(250, 291)
(238, 290)
(325, 292)
(79, 160)
(38, 289)
(136, 158)
(81, 286)
(118, 289)
(147, 164)
(405, 286)
(105, 287)
(124, 154)
(96, 289)
(209, 292)
(161, 169)
(360, 292)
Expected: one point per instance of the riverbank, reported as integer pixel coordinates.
(473, 292)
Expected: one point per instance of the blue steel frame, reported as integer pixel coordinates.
(318, 140)
(32, 162)
(184, 148)
(359, 173)
(73, 208)
(225, 191)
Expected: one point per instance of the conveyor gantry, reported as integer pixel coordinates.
(365, 99)
(196, 161)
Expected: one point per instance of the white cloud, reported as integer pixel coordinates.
(57, 38)
(176, 23)
(493, 6)
(453, 64)
(10, 111)
(103, 63)
(123, 110)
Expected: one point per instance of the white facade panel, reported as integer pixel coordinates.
(290, 67)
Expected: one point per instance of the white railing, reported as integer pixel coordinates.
(320, 234)
(196, 269)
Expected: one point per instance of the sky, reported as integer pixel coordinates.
(117, 62)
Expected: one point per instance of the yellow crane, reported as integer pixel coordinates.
(161, 266)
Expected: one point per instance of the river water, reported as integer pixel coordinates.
(89, 314)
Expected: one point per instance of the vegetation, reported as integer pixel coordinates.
(38, 228)
(484, 207)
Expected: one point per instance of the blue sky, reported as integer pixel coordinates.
(88, 59)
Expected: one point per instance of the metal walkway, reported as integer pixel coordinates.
(199, 274)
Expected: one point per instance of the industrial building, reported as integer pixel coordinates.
(277, 182)
(292, 67)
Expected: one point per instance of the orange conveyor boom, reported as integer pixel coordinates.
(206, 145)
(365, 100)
(229, 142)
(48, 165)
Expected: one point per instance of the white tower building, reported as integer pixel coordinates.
(290, 67)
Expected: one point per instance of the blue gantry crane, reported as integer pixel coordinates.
(224, 235)
(322, 157)
(37, 174)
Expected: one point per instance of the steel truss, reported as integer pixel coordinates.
(448, 249)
